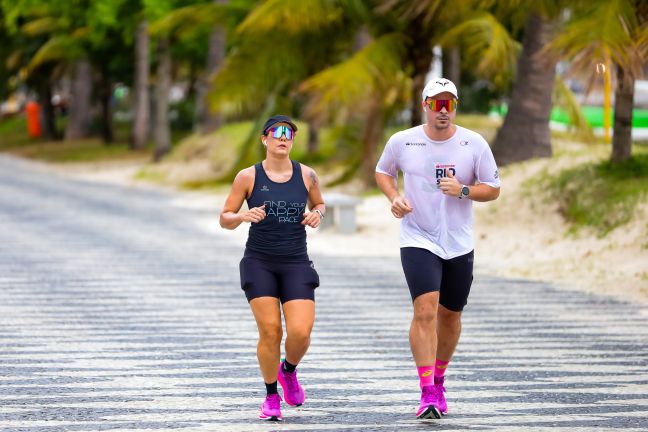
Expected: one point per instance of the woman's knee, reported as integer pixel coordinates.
(300, 334)
(270, 333)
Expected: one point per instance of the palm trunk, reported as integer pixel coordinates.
(525, 133)
(142, 106)
(421, 55)
(206, 120)
(80, 116)
(48, 123)
(452, 64)
(162, 127)
(313, 138)
(370, 139)
(623, 103)
(105, 98)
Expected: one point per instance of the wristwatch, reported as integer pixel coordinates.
(464, 191)
(319, 213)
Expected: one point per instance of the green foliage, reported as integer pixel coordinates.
(602, 195)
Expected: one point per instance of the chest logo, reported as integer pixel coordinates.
(264, 188)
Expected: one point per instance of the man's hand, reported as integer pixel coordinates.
(400, 206)
(450, 185)
(255, 214)
(312, 219)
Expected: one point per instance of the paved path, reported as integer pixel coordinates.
(117, 311)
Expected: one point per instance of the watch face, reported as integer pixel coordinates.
(465, 191)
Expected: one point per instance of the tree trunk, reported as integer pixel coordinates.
(313, 138)
(452, 64)
(525, 133)
(105, 98)
(142, 105)
(206, 120)
(80, 117)
(48, 123)
(371, 136)
(623, 104)
(420, 54)
(162, 133)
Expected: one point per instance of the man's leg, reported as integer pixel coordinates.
(455, 288)
(448, 332)
(422, 334)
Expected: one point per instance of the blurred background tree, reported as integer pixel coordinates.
(354, 69)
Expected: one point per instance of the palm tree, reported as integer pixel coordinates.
(525, 132)
(614, 35)
(142, 102)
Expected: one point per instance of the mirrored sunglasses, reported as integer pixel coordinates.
(281, 130)
(438, 104)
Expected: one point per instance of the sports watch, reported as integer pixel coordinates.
(464, 191)
(319, 213)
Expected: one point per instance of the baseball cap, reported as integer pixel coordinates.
(439, 85)
(278, 119)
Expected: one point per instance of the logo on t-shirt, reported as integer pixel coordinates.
(264, 188)
(442, 170)
(415, 144)
(463, 143)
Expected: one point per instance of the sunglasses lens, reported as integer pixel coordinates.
(439, 104)
(282, 130)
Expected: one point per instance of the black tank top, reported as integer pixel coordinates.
(281, 232)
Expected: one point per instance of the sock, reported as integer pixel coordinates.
(289, 367)
(271, 388)
(426, 375)
(440, 368)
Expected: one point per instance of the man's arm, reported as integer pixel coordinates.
(387, 184)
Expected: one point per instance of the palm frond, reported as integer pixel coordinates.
(188, 18)
(602, 35)
(56, 49)
(487, 43)
(373, 72)
(41, 26)
(291, 16)
(254, 70)
(564, 98)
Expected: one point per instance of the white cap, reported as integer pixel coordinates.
(439, 85)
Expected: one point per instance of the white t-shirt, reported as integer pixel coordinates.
(439, 223)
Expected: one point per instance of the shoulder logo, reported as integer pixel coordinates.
(496, 174)
(463, 143)
(265, 188)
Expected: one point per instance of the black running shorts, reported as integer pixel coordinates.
(285, 278)
(426, 272)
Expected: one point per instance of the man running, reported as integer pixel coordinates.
(445, 168)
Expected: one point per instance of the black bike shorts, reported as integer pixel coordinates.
(426, 272)
(285, 278)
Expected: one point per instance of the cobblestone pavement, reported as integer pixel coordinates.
(117, 311)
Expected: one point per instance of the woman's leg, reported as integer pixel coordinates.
(267, 313)
(300, 316)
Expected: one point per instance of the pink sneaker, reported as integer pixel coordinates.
(293, 392)
(271, 408)
(429, 404)
(440, 389)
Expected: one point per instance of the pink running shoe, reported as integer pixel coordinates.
(271, 408)
(440, 389)
(429, 404)
(293, 392)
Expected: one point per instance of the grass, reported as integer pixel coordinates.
(15, 140)
(601, 195)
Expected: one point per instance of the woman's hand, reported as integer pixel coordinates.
(255, 214)
(312, 219)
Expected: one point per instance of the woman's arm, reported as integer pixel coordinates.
(230, 217)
